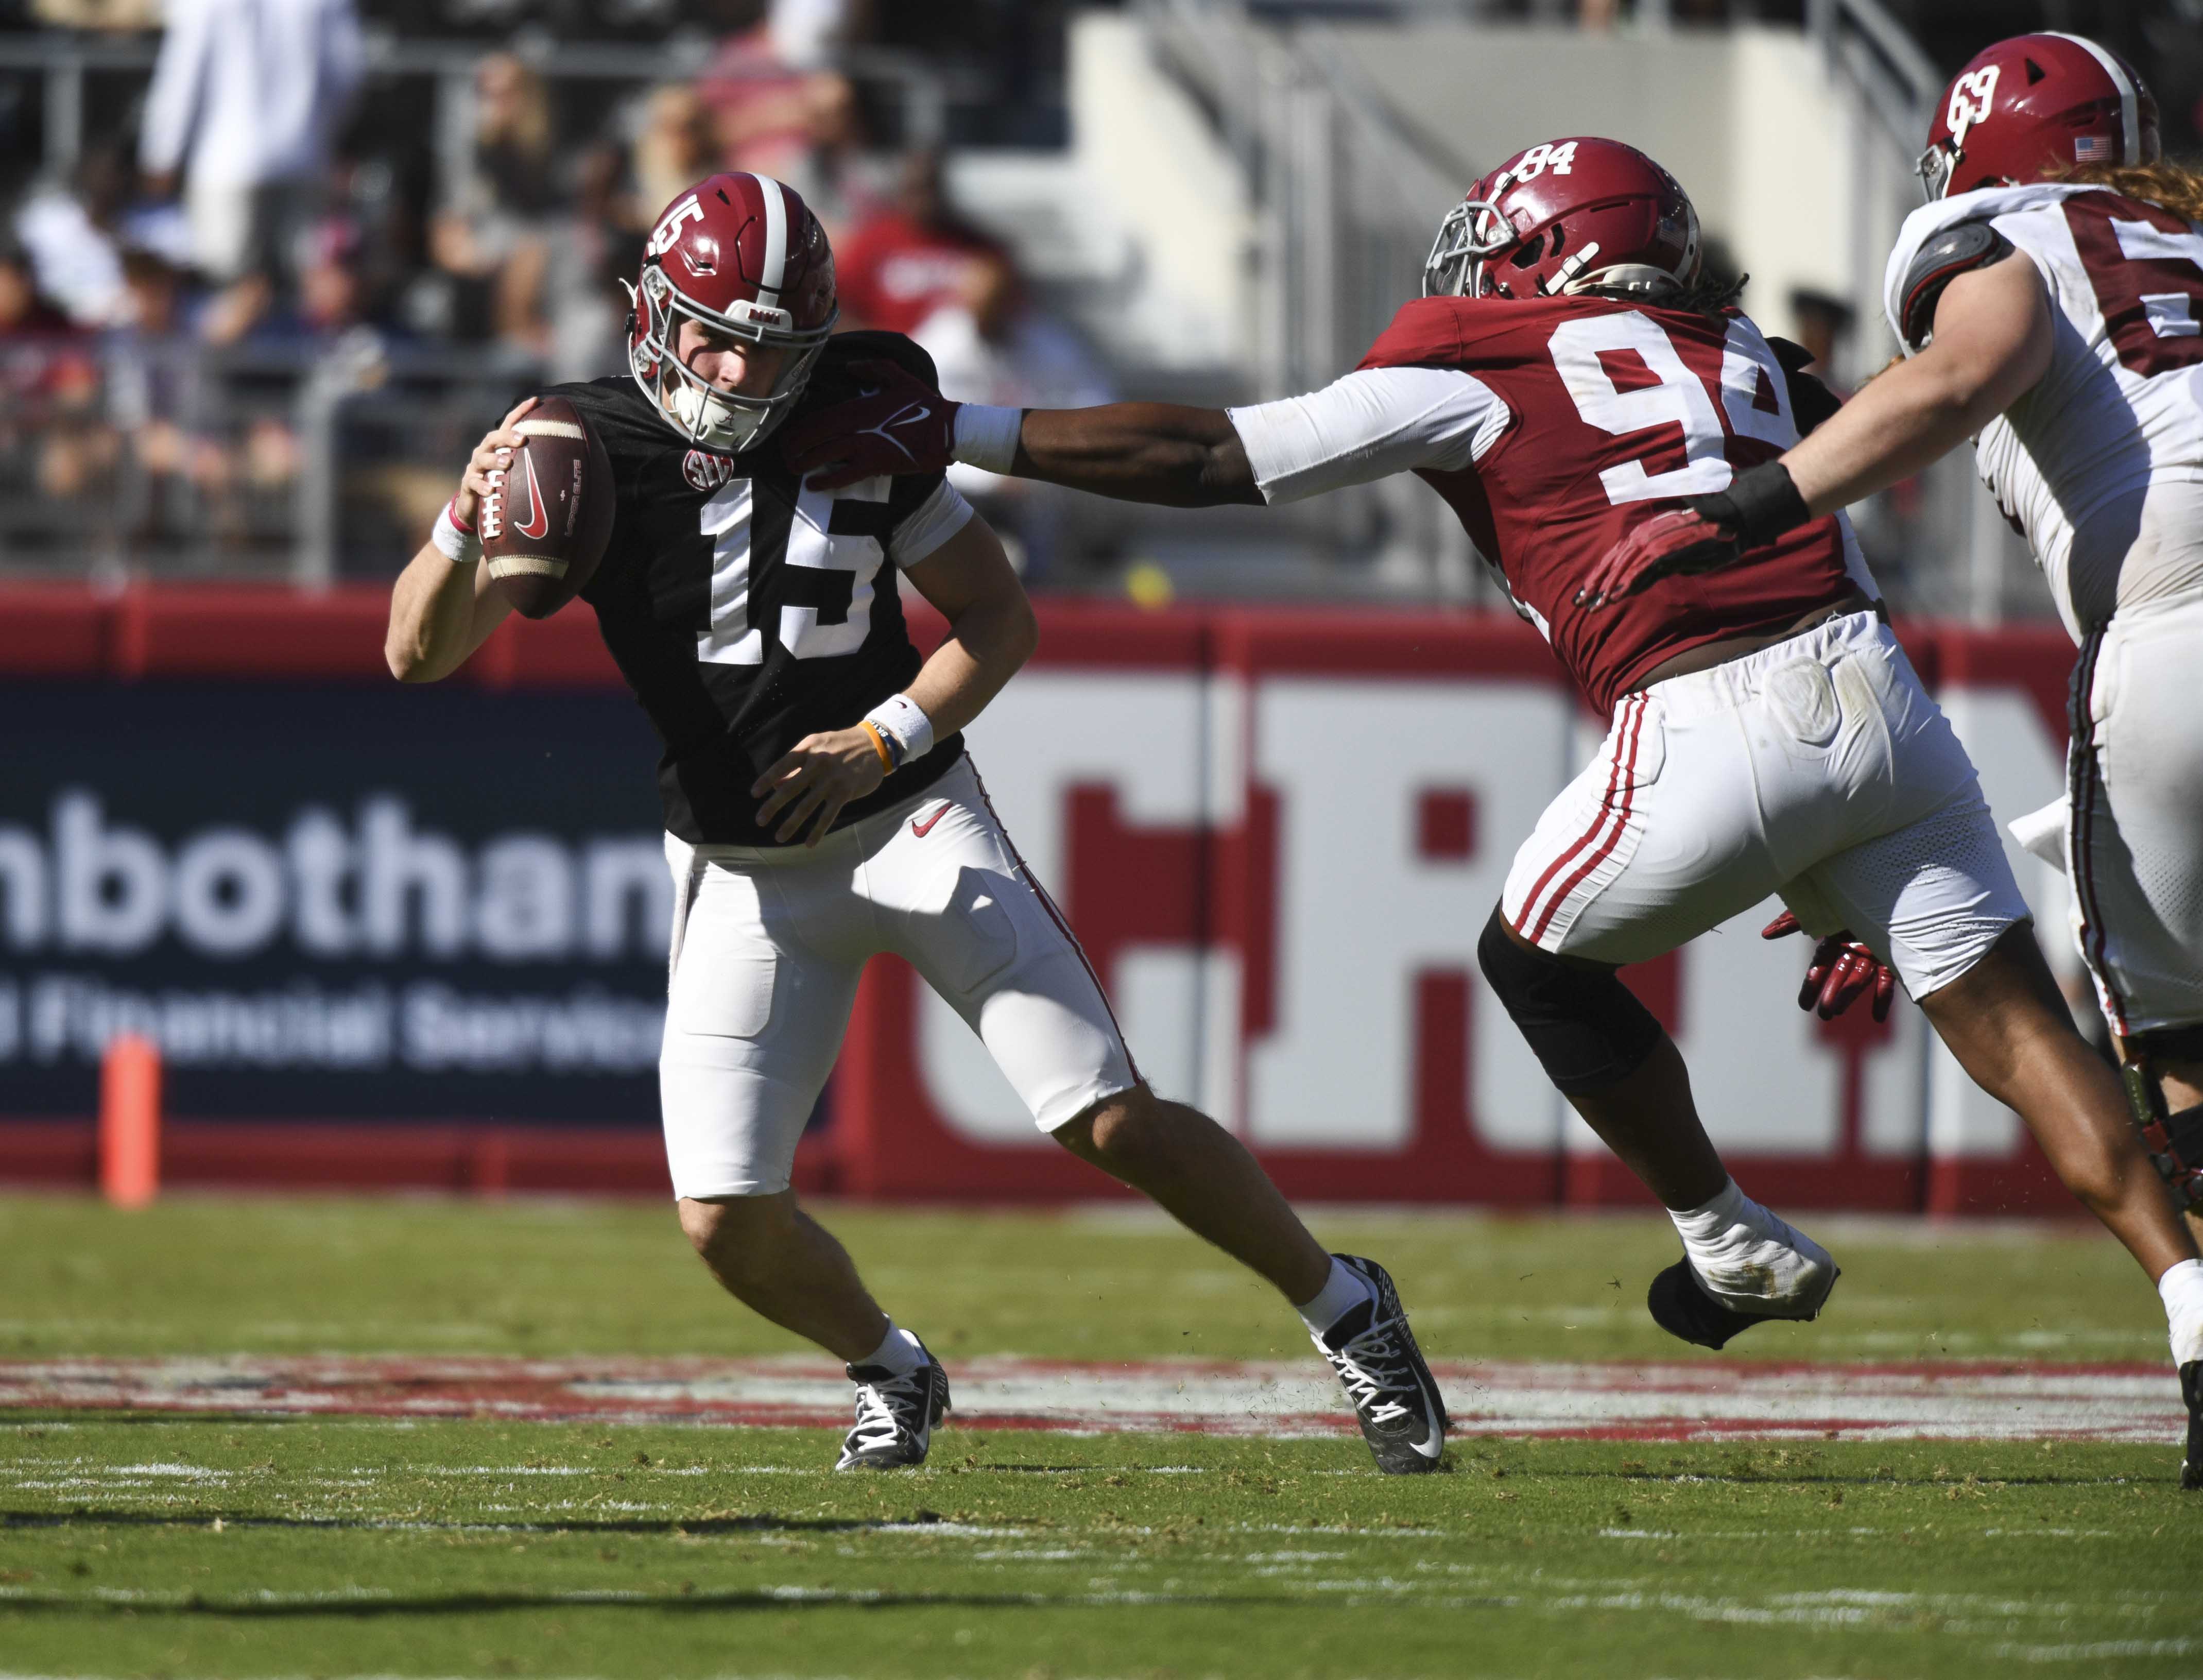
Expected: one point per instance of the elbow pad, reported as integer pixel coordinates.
(1954, 252)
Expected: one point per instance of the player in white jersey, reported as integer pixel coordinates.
(2049, 298)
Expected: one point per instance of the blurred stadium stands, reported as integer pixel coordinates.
(1196, 199)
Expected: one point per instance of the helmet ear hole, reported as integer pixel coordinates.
(1527, 257)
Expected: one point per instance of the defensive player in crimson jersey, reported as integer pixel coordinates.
(819, 808)
(2050, 301)
(1563, 379)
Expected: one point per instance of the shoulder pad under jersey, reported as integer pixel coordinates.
(1941, 260)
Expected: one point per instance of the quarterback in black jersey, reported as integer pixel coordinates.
(820, 808)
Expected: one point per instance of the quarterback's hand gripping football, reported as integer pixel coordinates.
(1841, 969)
(814, 780)
(1703, 535)
(486, 467)
(900, 424)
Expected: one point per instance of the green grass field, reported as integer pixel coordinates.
(144, 1544)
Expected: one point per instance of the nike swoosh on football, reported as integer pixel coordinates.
(538, 525)
(922, 829)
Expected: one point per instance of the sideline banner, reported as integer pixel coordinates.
(332, 901)
(1279, 832)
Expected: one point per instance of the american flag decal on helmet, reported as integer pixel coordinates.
(2091, 149)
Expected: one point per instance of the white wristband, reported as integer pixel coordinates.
(453, 540)
(987, 437)
(904, 721)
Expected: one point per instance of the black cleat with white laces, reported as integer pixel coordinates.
(2191, 1390)
(895, 1416)
(1397, 1403)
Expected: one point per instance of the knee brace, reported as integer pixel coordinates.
(2175, 1141)
(1584, 1026)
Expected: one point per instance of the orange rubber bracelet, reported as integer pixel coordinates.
(879, 743)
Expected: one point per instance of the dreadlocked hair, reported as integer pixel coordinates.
(1709, 294)
(2174, 186)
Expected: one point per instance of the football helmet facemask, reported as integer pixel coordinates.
(1567, 216)
(742, 255)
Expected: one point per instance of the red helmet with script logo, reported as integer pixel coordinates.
(2028, 108)
(1567, 216)
(743, 255)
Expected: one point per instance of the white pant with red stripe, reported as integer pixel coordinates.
(767, 944)
(2135, 826)
(1818, 768)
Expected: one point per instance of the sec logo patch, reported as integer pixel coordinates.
(704, 470)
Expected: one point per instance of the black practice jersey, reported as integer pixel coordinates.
(747, 611)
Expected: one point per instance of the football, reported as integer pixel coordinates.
(545, 527)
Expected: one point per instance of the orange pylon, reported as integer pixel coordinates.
(130, 1122)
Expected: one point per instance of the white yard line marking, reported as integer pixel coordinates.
(1986, 1400)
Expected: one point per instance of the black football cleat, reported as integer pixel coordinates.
(1395, 1399)
(2191, 1390)
(895, 1416)
(1681, 1307)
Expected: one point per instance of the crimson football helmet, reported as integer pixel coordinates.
(743, 254)
(2027, 108)
(1566, 217)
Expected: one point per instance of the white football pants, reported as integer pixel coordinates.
(1818, 768)
(767, 944)
(2134, 835)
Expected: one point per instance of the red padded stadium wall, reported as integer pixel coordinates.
(1363, 771)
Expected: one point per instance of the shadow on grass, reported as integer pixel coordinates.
(780, 1599)
(763, 1522)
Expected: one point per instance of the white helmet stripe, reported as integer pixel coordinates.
(775, 240)
(2129, 95)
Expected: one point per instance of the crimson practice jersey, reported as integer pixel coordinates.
(747, 611)
(1552, 427)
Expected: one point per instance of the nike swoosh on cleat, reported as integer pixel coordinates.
(922, 829)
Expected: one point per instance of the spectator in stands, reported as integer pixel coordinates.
(494, 238)
(791, 117)
(49, 387)
(1823, 323)
(156, 399)
(25, 313)
(902, 265)
(117, 15)
(69, 232)
(674, 147)
(244, 99)
(990, 344)
(594, 248)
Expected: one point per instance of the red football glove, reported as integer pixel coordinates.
(1840, 970)
(1683, 540)
(1706, 532)
(900, 424)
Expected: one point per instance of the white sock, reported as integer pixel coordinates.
(1748, 1258)
(899, 1351)
(2181, 1289)
(1344, 1290)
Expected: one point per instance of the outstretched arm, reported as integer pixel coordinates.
(1370, 424)
(1161, 452)
(1993, 343)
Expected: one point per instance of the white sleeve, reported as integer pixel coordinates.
(172, 104)
(931, 523)
(1373, 422)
